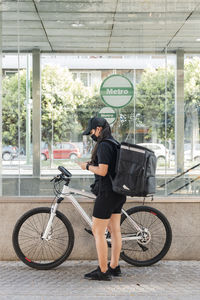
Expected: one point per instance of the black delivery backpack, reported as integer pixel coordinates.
(135, 170)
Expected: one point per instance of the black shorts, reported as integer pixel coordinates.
(108, 203)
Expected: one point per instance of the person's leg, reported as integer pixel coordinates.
(115, 231)
(98, 229)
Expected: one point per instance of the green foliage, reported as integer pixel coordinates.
(61, 104)
(59, 99)
(155, 101)
(192, 82)
(67, 104)
(14, 111)
(89, 107)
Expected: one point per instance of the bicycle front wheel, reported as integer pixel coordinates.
(155, 238)
(32, 249)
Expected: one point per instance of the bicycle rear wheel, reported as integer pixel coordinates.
(32, 249)
(156, 236)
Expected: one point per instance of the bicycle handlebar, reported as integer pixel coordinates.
(65, 173)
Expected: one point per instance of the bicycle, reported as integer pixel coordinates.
(43, 237)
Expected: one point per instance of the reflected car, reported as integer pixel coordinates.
(62, 151)
(9, 152)
(161, 152)
(196, 152)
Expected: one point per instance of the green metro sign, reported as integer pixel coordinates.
(116, 91)
(108, 113)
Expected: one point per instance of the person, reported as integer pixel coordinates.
(108, 204)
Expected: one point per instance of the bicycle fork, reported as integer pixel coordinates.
(45, 235)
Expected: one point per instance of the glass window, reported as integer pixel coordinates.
(163, 115)
(75, 75)
(67, 146)
(84, 78)
(1, 175)
(10, 73)
(58, 146)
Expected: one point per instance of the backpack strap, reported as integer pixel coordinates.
(114, 142)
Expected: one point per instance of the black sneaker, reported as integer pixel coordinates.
(115, 272)
(98, 275)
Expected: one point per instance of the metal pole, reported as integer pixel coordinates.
(36, 95)
(0, 101)
(28, 115)
(179, 112)
(19, 97)
(134, 99)
(166, 108)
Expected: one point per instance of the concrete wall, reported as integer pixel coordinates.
(183, 215)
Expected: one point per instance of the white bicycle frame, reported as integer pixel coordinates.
(67, 193)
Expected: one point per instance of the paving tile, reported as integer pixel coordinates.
(172, 280)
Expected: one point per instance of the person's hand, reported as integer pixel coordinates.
(82, 165)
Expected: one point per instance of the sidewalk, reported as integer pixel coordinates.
(164, 280)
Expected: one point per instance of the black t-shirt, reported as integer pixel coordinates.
(106, 154)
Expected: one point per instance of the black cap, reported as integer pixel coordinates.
(93, 124)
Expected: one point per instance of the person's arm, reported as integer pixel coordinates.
(101, 169)
(104, 154)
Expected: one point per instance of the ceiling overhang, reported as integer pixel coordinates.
(101, 26)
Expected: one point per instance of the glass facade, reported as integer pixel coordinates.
(47, 98)
(0, 99)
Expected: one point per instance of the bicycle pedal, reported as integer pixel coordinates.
(143, 247)
(88, 231)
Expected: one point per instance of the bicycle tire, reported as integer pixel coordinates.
(38, 253)
(136, 253)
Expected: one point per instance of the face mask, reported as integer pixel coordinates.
(94, 137)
